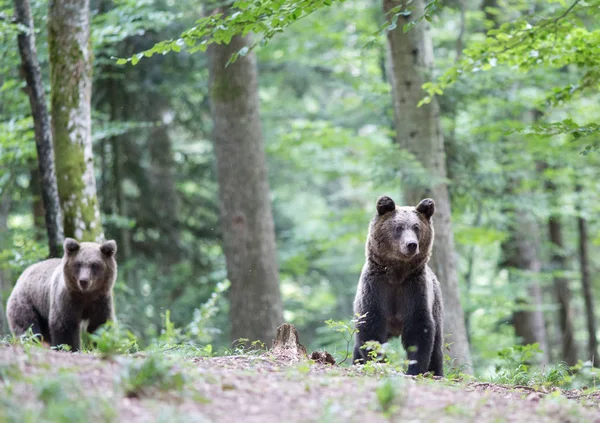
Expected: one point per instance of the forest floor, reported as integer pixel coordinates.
(41, 385)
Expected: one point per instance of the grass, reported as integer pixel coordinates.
(143, 376)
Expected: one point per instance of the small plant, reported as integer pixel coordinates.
(243, 346)
(28, 339)
(140, 377)
(199, 326)
(386, 393)
(347, 330)
(109, 340)
(516, 368)
(64, 400)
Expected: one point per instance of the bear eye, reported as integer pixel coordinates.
(94, 267)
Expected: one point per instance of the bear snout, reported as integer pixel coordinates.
(84, 283)
(412, 247)
(409, 249)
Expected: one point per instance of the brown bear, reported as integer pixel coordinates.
(54, 297)
(398, 294)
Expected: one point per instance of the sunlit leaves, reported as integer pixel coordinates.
(263, 17)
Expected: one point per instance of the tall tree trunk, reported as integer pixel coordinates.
(5, 203)
(521, 256)
(246, 216)
(419, 131)
(162, 177)
(41, 123)
(71, 84)
(37, 203)
(586, 281)
(561, 285)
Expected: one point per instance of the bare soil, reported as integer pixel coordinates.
(269, 389)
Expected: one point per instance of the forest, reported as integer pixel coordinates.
(235, 151)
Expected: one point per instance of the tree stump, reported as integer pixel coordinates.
(286, 344)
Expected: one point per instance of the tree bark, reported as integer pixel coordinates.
(419, 131)
(71, 83)
(41, 123)
(162, 177)
(245, 207)
(586, 281)
(521, 256)
(5, 205)
(561, 288)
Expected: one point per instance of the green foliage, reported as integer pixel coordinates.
(264, 17)
(142, 376)
(348, 332)
(387, 393)
(557, 41)
(110, 340)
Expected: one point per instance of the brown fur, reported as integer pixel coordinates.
(55, 296)
(398, 294)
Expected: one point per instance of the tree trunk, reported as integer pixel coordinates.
(71, 83)
(521, 256)
(586, 281)
(162, 178)
(561, 289)
(41, 123)
(248, 228)
(5, 204)
(419, 131)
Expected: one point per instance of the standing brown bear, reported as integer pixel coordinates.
(55, 296)
(398, 293)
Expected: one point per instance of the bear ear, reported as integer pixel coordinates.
(109, 248)
(426, 207)
(70, 246)
(385, 205)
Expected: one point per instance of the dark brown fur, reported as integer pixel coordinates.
(55, 296)
(397, 292)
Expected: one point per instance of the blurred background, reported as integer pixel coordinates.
(523, 206)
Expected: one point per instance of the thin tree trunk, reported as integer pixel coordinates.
(521, 255)
(586, 281)
(37, 203)
(41, 123)
(71, 83)
(419, 131)
(246, 216)
(5, 203)
(561, 287)
(118, 101)
(162, 177)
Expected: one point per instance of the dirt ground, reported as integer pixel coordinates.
(260, 389)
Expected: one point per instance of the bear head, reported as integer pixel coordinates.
(89, 267)
(400, 235)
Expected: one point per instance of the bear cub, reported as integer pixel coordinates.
(398, 294)
(55, 296)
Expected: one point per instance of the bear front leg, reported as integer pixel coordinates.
(437, 355)
(100, 312)
(64, 325)
(372, 327)
(64, 331)
(418, 339)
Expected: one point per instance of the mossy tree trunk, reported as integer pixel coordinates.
(71, 84)
(46, 175)
(246, 216)
(419, 131)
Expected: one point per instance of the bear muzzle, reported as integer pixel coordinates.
(84, 284)
(409, 249)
